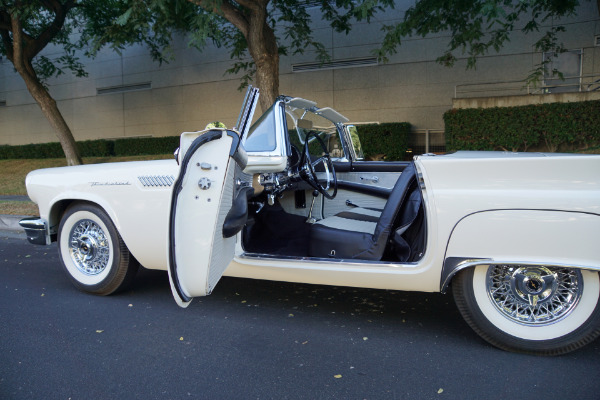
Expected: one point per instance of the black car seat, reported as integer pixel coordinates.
(364, 233)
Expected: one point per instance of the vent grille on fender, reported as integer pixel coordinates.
(156, 180)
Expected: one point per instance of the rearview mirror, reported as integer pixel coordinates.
(305, 124)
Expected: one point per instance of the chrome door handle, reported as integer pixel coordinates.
(373, 179)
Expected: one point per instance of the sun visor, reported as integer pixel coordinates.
(331, 115)
(298, 102)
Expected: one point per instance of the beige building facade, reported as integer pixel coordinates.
(129, 95)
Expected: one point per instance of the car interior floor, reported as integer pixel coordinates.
(274, 231)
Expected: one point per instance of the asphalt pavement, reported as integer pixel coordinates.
(253, 339)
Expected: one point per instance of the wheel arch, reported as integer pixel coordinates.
(522, 237)
(58, 208)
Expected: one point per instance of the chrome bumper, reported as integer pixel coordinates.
(36, 230)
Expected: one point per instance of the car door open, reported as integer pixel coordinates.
(208, 207)
(203, 197)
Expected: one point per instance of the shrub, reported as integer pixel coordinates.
(146, 146)
(543, 127)
(387, 140)
(94, 148)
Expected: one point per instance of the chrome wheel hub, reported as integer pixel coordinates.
(89, 247)
(534, 295)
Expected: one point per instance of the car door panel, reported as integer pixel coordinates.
(364, 184)
(202, 198)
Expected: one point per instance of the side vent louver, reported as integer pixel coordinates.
(124, 88)
(156, 180)
(348, 63)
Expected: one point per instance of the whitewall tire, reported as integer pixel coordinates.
(92, 252)
(530, 309)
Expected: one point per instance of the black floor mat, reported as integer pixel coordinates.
(274, 231)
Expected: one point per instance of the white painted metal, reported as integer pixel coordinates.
(465, 183)
(140, 213)
(529, 236)
(201, 252)
(535, 186)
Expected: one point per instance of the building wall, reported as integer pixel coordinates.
(192, 90)
(525, 100)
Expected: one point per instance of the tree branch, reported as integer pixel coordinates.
(36, 45)
(51, 5)
(248, 4)
(227, 11)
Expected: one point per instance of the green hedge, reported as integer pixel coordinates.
(95, 148)
(388, 140)
(144, 146)
(545, 127)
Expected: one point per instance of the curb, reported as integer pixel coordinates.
(11, 223)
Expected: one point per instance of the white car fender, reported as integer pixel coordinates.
(546, 237)
(135, 195)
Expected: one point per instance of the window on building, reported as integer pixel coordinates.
(569, 65)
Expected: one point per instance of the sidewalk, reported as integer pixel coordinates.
(14, 198)
(10, 223)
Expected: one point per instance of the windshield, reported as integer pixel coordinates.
(262, 134)
(300, 122)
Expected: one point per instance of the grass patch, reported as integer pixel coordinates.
(18, 208)
(13, 172)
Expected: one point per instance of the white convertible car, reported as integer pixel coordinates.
(516, 235)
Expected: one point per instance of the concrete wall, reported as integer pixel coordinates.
(525, 100)
(192, 91)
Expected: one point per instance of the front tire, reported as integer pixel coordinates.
(92, 252)
(530, 309)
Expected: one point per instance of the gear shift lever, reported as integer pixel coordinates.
(311, 219)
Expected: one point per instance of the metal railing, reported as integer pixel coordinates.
(583, 83)
(427, 141)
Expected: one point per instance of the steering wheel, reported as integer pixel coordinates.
(307, 168)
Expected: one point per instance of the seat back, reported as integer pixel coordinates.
(389, 215)
(352, 235)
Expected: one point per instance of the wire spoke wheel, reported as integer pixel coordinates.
(533, 309)
(92, 252)
(534, 295)
(89, 247)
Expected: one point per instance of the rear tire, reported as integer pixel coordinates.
(92, 252)
(530, 309)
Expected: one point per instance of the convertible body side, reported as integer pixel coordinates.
(481, 208)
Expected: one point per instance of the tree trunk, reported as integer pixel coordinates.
(251, 20)
(20, 49)
(262, 46)
(267, 79)
(54, 116)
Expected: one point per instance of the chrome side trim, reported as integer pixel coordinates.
(317, 260)
(452, 265)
